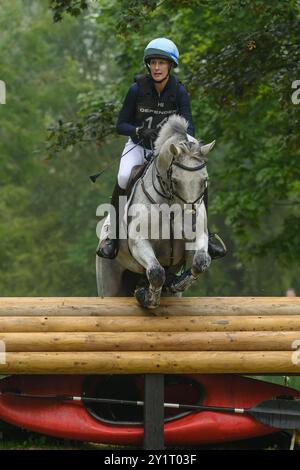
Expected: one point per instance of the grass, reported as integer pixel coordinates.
(14, 438)
(285, 380)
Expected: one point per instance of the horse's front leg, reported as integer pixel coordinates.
(201, 259)
(142, 251)
(181, 283)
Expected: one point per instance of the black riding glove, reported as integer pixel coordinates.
(145, 134)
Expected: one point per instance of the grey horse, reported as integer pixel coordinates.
(164, 247)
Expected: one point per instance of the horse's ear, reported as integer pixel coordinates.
(204, 149)
(174, 150)
(165, 157)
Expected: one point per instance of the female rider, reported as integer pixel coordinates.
(150, 101)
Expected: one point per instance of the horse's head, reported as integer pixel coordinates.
(181, 162)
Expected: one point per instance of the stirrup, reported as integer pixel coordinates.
(216, 250)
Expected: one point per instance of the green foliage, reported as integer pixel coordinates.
(47, 230)
(238, 60)
(93, 127)
(73, 7)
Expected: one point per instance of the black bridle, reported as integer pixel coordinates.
(167, 187)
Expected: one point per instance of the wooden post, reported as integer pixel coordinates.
(154, 412)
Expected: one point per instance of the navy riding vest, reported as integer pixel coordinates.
(152, 109)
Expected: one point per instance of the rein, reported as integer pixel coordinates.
(167, 190)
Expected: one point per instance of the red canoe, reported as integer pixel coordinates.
(120, 424)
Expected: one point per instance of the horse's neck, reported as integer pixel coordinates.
(151, 182)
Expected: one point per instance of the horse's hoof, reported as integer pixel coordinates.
(201, 263)
(142, 296)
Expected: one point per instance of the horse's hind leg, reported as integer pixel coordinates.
(144, 254)
(109, 275)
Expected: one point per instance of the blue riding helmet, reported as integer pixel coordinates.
(164, 48)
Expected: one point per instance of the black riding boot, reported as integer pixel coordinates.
(108, 248)
(216, 246)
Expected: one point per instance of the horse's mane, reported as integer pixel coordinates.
(174, 131)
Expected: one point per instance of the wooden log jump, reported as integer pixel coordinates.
(150, 341)
(23, 324)
(115, 335)
(170, 306)
(135, 362)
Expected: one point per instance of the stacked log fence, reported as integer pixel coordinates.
(211, 335)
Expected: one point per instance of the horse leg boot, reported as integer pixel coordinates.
(150, 297)
(201, 263)
(109, 245)
(142, 251)
(181, 283)
(216, 246)
(201, 259)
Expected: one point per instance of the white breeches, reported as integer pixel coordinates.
(136, 156)
(132, 158)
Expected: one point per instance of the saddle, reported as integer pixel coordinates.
(136, 173)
